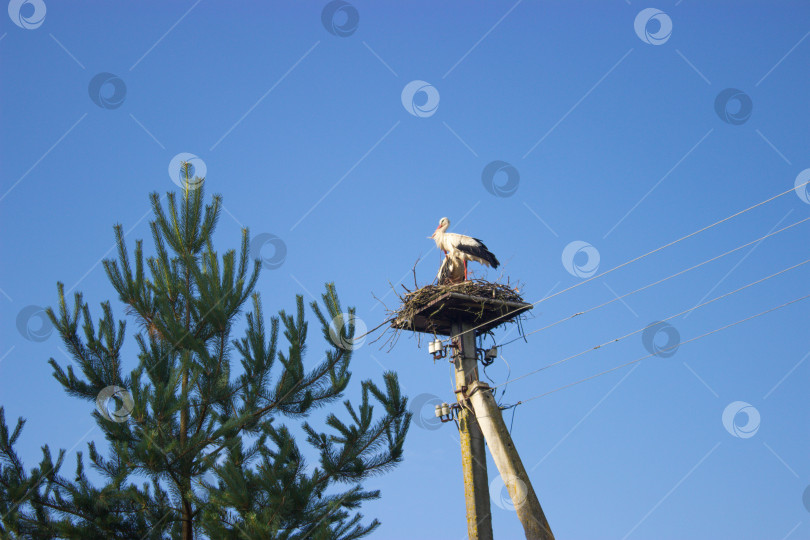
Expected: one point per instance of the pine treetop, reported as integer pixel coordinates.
(219, 459)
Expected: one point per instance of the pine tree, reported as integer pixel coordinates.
(193, 449)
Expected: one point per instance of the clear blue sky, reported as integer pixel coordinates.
(616, 140)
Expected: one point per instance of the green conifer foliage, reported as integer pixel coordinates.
(193, 449)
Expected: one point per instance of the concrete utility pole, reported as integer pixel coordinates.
(473, 450)
(479, 419)
(506, 458)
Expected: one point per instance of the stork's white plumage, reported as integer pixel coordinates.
(461, 247)
(451, 271)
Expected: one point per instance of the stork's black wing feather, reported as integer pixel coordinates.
(479, 250)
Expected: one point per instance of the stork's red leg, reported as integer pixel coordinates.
(465, 269)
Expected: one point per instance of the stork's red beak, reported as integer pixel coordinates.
(434, 232)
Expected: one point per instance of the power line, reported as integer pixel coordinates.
(663, 350)
(656, 250)
(654, 283)
(558, 362)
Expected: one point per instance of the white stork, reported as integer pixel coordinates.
(458, 247)
(451, 271)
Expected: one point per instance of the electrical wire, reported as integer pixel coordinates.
(508, 373)
(654, 283)
(514, 409)
(638, 258)
(615, 340)
(663, 350)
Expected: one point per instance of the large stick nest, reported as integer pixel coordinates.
(412, 302)
(415, 301)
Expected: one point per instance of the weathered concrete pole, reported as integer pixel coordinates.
(473, 448)
(506, 458)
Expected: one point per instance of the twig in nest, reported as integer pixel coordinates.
(381, 302)
(415, 283)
